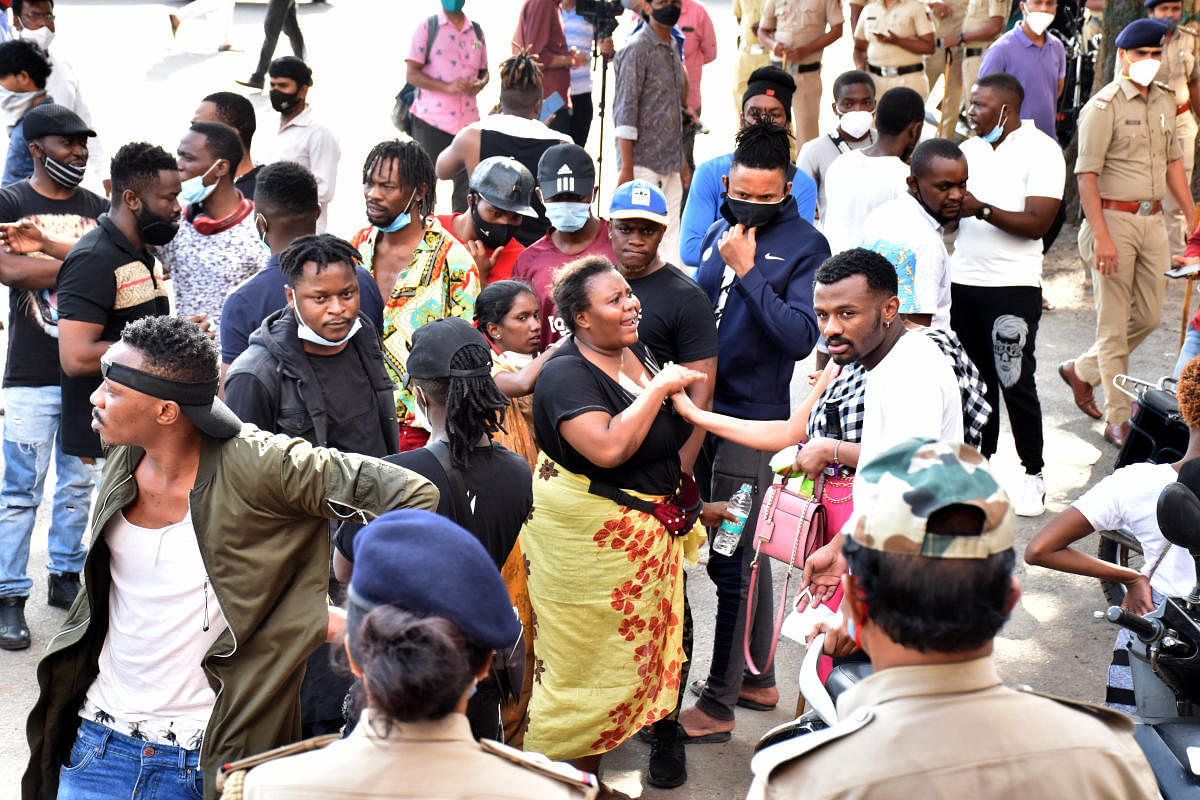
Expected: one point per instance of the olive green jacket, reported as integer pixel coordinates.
(259, 508)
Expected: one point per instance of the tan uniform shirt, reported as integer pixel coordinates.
(437, 759)
(978, 13)
(953, 23)
(1128, 141)
(1180, 63)
(953, 730)
(798, 22)
(905, 18)
(750, 12)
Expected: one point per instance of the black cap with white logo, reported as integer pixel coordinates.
(566, 169)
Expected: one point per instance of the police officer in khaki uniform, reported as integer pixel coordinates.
(796, 32)
(891, 39)
(982, 25)
(425, 610)
(752, 53)
(1128, 159)
(934, 720)
(946, 61)
(1181, 71)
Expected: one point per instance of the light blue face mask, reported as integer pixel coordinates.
(568, 217)
(993, 136)
(194, 191)
(262, 235)
(401, 219)
(307, 334)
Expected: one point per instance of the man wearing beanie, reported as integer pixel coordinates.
(768, 96)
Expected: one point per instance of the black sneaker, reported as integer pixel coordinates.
(14, 633)
(668, 761)
(61, 589)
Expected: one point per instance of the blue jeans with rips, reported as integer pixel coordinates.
(31, 433)
(106, 765)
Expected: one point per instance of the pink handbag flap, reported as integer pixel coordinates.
(789, 526)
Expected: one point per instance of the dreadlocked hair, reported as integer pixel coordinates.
(763, 145)
(520, 82)
(323, 249)
(474, 406)
(413, 165)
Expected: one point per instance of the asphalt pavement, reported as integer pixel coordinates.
(142, 85)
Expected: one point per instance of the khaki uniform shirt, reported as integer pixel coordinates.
(905, 18)
(952, 730)
(750, 12)
(978, 13)
(944, 26)
(1128, 140)
(798, 22)
(437, 759)
(1180, 63)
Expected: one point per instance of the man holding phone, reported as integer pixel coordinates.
(540, 34)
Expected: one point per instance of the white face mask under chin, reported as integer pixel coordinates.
(307, 334)
(1142, 72)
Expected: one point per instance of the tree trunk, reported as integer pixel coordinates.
(1117, 14)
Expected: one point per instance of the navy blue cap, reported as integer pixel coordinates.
(427, 565)
(1142, 33)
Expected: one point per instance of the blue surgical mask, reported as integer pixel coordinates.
(401, 219)
(262, 235)
(193, 190)
(850, 626)
(307, 334)
(453, 6)
(993, 136)
(568, 217)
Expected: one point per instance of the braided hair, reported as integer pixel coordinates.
(763, 145)
(520, 84)
(413, 165)
(474, 405)
(322, 249)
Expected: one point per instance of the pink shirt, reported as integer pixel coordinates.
(456, 54)
(699, 45)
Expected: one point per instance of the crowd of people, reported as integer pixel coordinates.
(433, 486)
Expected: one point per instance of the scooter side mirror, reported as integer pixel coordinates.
(1179, 517)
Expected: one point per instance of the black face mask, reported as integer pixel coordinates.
(750, 214)
(940, 219)
(282, 101)
(155, 230)
(492, 234)
(667, 15)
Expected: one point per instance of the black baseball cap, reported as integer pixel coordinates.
(435, 344)
(51, 119)
(566, 169)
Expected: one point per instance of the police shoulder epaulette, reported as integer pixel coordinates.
(536, 762)
(1188, 30)
(1166, 87)
(231, 776)
(1106, 94)
(1110, 717)
(765, 761)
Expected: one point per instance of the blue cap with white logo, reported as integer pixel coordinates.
(639, 199)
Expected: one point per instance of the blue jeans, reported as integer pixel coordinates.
(31, 427)
(106, 765)
(1190, 349)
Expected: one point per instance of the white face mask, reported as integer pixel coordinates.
(307, 334)
(855, 124)
(1143, 72)
(1038, 21)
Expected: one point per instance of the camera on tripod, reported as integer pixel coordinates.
(602, 14)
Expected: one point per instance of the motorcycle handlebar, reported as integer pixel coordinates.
(1148, 630)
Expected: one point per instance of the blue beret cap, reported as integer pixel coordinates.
(1142, 33)
(429, 566)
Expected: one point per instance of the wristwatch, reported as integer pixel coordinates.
(985, 212)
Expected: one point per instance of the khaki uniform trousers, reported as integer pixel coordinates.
(747, 62)
(806, 105)
(1177, 232)
(913, 80)
(952, 90)
(1128, 303)
(970, 70)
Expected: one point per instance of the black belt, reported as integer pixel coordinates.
(971, 52)
(888, 72)
(801, 68)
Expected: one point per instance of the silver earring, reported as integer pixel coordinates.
(887, 324)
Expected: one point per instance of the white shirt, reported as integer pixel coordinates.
(63, 87)
(911, 392)
(159, 606)
(1129, 498)
(817, 155)
(906, 223)
(855, 185)
(302, 140)
(1028, 163)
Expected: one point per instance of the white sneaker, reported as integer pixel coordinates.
(1032, 500)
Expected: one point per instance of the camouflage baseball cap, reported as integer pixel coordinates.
(896, 492)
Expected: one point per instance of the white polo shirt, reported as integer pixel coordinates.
(905, 222)
(1028, 163)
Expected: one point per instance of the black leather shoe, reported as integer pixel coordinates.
(252, 82)
(61, 589)
(14, 633)
(668, 761)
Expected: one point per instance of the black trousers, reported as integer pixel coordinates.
(434, 141)
(281, 17)
(997, 326)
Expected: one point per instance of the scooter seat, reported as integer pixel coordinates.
(845, 675)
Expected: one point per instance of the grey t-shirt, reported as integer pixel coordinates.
(817, 154)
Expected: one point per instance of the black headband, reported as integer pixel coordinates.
(185, 393)
(474, 372)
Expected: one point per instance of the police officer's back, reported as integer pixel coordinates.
(934, 719)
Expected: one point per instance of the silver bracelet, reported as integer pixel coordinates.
(836, 444)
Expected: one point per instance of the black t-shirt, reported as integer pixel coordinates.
(570, 385)
(499, 490)
(247, 183)
(103, 281)
(350, 407)
(677, 322)
(32, 351)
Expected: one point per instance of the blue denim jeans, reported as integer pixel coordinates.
(31, 426)
(106, 765)
(1190, 349)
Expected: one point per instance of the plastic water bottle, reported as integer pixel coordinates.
(730, 533)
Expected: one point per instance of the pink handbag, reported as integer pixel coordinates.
(838, 499)
(789, 528)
